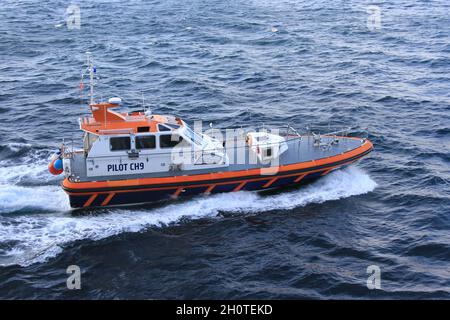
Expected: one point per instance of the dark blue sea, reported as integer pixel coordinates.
(233, 63)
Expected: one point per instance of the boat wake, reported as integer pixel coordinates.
(27, 238)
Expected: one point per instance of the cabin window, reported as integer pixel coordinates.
(143, 129)
(172, 125)
(163, 128)
(169, 140)
(145, 142)
(268, 152)
(119, 143)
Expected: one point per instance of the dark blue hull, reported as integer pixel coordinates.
(152, 195)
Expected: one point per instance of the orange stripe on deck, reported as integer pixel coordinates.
(108, 198)
(90, 200)
(239, 187)
(300, 177)
(269, 183)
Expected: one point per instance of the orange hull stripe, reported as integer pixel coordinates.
(326, 172)
(239, 187)
(177, 193)
(210, 188)
(108, 198)
(300, 177)
(90, 200)
(269, 183)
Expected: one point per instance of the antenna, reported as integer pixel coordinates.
(147, 110)
(92, 70)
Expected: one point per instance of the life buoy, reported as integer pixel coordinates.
(55, 166)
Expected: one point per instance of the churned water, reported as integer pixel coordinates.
(383, 66)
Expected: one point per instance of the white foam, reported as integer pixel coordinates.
(29, 169)
(15, 198)
(26, 174)
(39, 237)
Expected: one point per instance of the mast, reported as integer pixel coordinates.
(91, 70)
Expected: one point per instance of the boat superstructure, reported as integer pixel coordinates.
(139, 157)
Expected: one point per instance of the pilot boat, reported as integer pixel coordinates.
(139, 157)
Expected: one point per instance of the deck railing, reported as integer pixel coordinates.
(288, 132)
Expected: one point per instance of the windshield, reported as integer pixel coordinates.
(195, 137)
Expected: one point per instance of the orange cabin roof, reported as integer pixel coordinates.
(106, 121)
